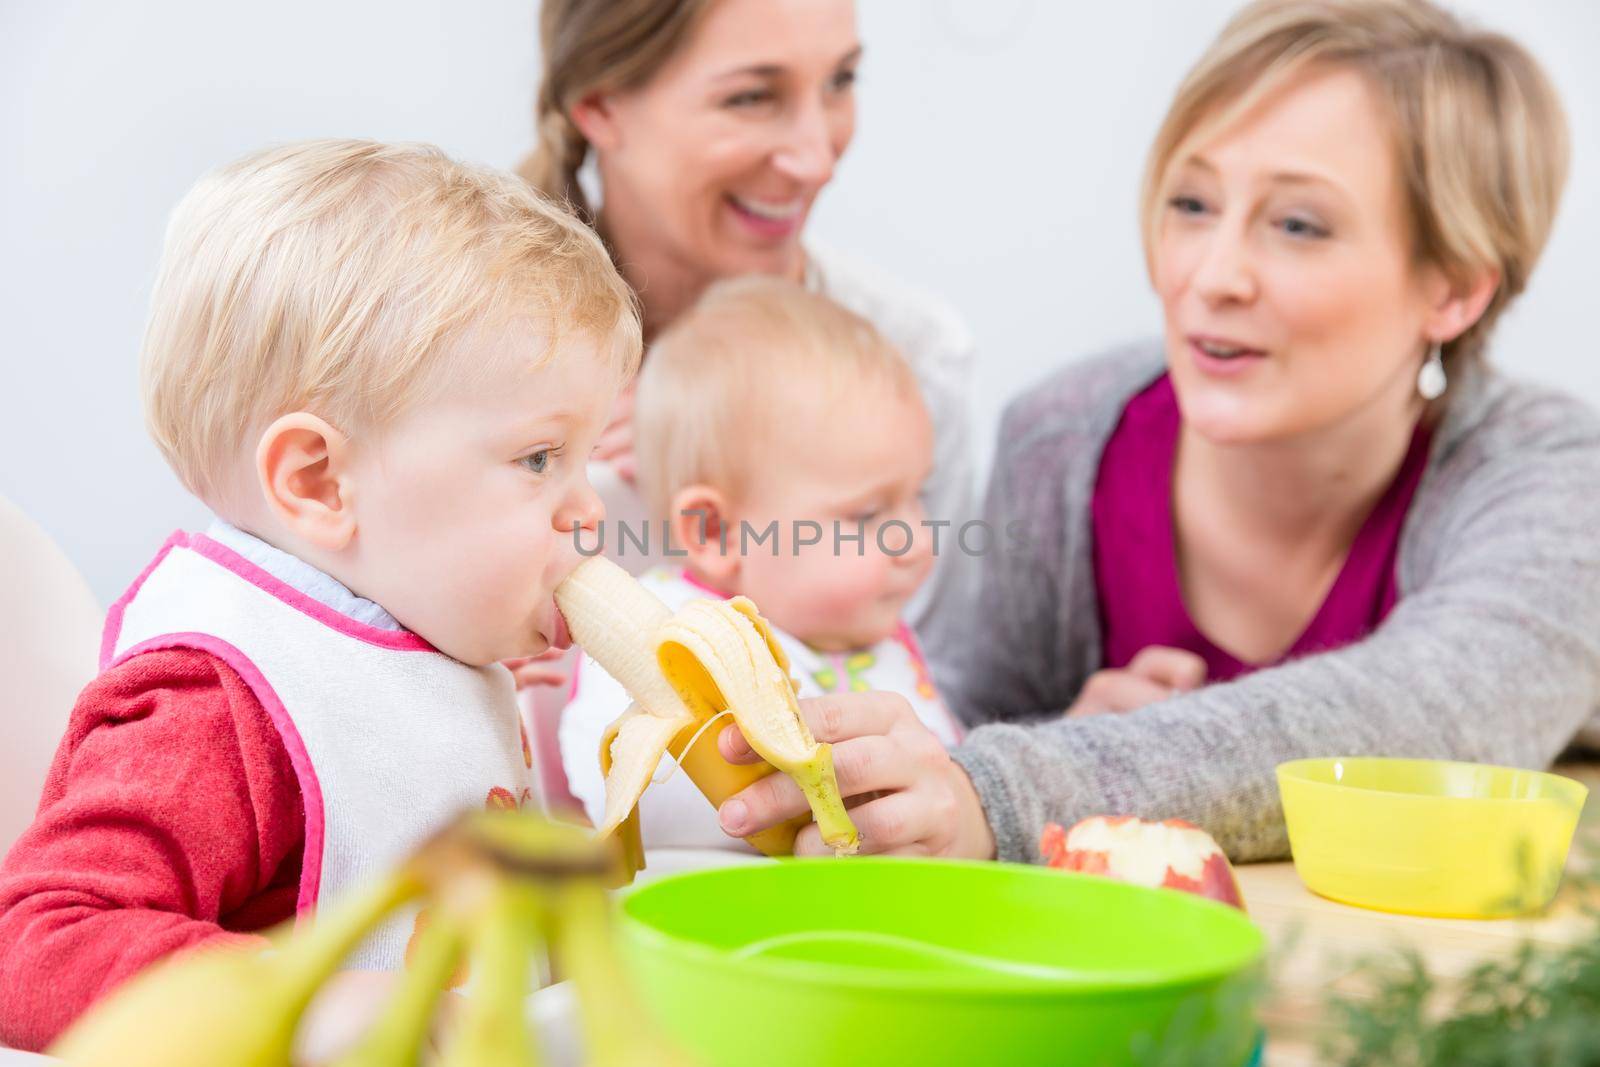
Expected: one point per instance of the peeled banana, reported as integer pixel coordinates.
(499, 886)
(683, 671)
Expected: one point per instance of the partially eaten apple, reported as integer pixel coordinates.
(1173, 853)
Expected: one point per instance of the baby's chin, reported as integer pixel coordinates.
(850, 638)
(486, 650)
(839, 625)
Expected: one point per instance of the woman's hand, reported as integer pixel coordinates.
(906, 795)
(1154, 674)
(544, 669)
(615, 445)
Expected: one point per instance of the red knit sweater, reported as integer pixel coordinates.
(171, 816)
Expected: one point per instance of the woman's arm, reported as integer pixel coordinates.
(1492, 655)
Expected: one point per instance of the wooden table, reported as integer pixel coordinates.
(1315, 943)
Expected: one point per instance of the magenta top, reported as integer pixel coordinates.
(1136, 561)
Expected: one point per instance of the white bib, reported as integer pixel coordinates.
(389, 738)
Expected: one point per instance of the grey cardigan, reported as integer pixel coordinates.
(1492, 653)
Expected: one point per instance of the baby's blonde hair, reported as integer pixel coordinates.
(739, 365)
(1478, 130)
(338, 276)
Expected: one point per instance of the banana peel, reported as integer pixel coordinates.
(723, 656)
(684, 670)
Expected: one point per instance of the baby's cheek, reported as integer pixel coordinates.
(846, 587)
(499, 581)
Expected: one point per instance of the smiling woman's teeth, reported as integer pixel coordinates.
(1211, 348)
(776, 211)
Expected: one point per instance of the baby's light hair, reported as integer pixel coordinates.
(740, 365)
(338, 277)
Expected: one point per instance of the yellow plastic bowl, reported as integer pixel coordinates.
(1429, 837)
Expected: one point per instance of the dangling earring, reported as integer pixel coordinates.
(1431, 381)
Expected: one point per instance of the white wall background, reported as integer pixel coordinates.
(996, 164)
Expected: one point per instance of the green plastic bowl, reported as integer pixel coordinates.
(890, 961)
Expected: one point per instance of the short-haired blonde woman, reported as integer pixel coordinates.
(713, 125)
(1312, 521)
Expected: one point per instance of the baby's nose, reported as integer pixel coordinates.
(583, 509)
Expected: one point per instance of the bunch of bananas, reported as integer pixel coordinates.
(713, 658)
(498, 887)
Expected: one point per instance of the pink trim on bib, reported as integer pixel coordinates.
(908, 639)
(113, 627)
(704, 587)
(223, 556)
(305, 774)
(398, 640)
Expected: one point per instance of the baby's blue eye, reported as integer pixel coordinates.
(537, 462)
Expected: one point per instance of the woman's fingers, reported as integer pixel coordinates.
(767, 802)
(905, 794)
(614, 442)
(896, 823)
(809, 843)
(833, 718)
(615, 447)
(617, 438)
(627, 467)
(1112, 691)
(546, 656)
(622, 407)
(544, 669)
(1154, 674)
(872, 757)
(532, 674)
(1175, 668)
(732, 746)
(861, 765)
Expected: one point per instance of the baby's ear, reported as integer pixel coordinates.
(303, 467)
(703, 526)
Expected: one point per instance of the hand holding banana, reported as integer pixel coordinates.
(908, 797)
(685, 672)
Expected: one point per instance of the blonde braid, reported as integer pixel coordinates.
(552, 167)
(589, 46)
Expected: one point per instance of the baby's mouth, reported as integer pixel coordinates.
(561, 638)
